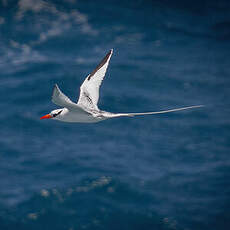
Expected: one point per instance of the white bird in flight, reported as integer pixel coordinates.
(86, 110)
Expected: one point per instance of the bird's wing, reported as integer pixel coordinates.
(89, 91)
(60, 99)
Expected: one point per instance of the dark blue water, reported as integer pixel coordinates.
(168, 171)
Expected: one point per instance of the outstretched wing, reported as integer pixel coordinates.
(60, 99)
(89, 91)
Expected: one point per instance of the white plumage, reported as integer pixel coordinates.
(86, 109)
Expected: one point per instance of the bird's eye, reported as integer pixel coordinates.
(54, 115)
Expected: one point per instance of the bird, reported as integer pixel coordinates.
(86, 110)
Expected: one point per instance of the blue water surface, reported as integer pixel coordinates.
(167, 171)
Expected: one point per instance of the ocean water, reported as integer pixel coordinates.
(167, 171)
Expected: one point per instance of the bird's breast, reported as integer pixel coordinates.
(81, 118)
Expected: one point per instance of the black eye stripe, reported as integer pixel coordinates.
(54, 115)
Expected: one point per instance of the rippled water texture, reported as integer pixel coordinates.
(167, 171)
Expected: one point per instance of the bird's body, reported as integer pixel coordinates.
(89, 117)
(86, 109)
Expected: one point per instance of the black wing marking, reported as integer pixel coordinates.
(104, 60)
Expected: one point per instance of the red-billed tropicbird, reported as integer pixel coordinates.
(86, 110)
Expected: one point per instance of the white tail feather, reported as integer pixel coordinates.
(158, 112)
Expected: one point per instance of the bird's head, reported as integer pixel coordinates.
(53, 114)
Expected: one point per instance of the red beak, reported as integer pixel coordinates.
(46, 117)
